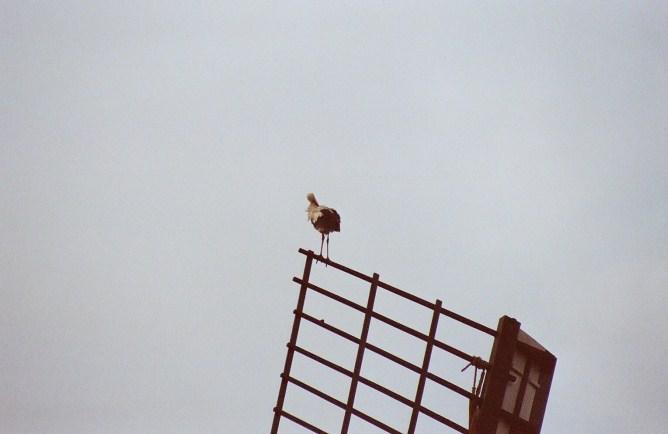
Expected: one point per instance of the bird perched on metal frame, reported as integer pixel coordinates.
(323, 218)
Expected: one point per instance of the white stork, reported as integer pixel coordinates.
(323, 218)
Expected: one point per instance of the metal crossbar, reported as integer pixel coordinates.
(362, 343)
(396, 359)
(402, 293)
(389, 321)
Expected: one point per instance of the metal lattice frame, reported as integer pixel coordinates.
(363, 345)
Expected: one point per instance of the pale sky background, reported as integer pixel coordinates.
(505, 157)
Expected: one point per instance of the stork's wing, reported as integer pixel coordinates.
(329, 219)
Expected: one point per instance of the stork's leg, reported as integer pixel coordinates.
(327, 246)
(322, 240)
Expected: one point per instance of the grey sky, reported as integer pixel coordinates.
(505, 157)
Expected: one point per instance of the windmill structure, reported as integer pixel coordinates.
(510, 386)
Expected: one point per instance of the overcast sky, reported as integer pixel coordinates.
(505, 157)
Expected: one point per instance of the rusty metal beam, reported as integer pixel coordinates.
(293, 341)
(302, 422)
(360, 354)
(425, 367)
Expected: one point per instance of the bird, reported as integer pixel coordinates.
(324, 219)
